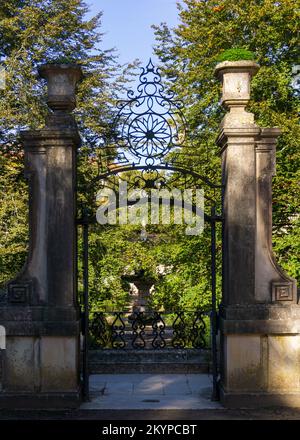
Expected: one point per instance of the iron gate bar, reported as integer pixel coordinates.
(214, 306)
(85, 229)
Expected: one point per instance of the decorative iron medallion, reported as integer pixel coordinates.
(150, 123)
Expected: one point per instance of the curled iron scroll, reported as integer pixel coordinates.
(150, 123)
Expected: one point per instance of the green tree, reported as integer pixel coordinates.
(188, 55)
(33, 32)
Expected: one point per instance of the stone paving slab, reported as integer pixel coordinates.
(179, 387)
(118, 388)
(150, 402)
(199, 379)
(150, 392)
(149, 388)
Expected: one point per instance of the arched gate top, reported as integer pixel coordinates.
(150, 134)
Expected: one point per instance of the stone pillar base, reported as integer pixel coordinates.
(41, 372)
(260, 358)
(41, 359)
(259, 400)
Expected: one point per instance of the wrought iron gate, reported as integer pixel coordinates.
(150, 136)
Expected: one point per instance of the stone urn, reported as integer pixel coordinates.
(141, 288)
(61, 81)
(236, 78)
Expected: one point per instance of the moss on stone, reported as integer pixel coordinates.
(235, 54)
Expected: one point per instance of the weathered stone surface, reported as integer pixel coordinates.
(235, 77)
(243, 362)
(266, 327)
(259, 311)
(40, 312)
(61, 81)
(59, 361)
(20, 371)
(260, 315)
(263, 367)
(260, 399)
(238, 163)
(284, 363)
(149, 361)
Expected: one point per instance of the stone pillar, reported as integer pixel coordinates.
(259, 314)
(40, 313)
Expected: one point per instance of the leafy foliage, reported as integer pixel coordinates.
(39, 31)
(188, 55)
(33, 33)
(13, 214)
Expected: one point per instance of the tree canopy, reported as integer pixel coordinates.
(34, 32)
(188, 55)
(38, 31)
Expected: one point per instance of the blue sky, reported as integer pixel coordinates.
(127, 25)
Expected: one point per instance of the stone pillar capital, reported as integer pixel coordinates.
(237, 135)
(38, 140)
(267, 138)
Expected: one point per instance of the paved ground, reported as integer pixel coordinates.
(152, 397)
(151, 391)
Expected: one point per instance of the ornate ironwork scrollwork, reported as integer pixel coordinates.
(150, 123)
(179, 336)
(149, 330)
(138, 327)
(198, 331)
(98, 329)
(118, 331)
(158, 326)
